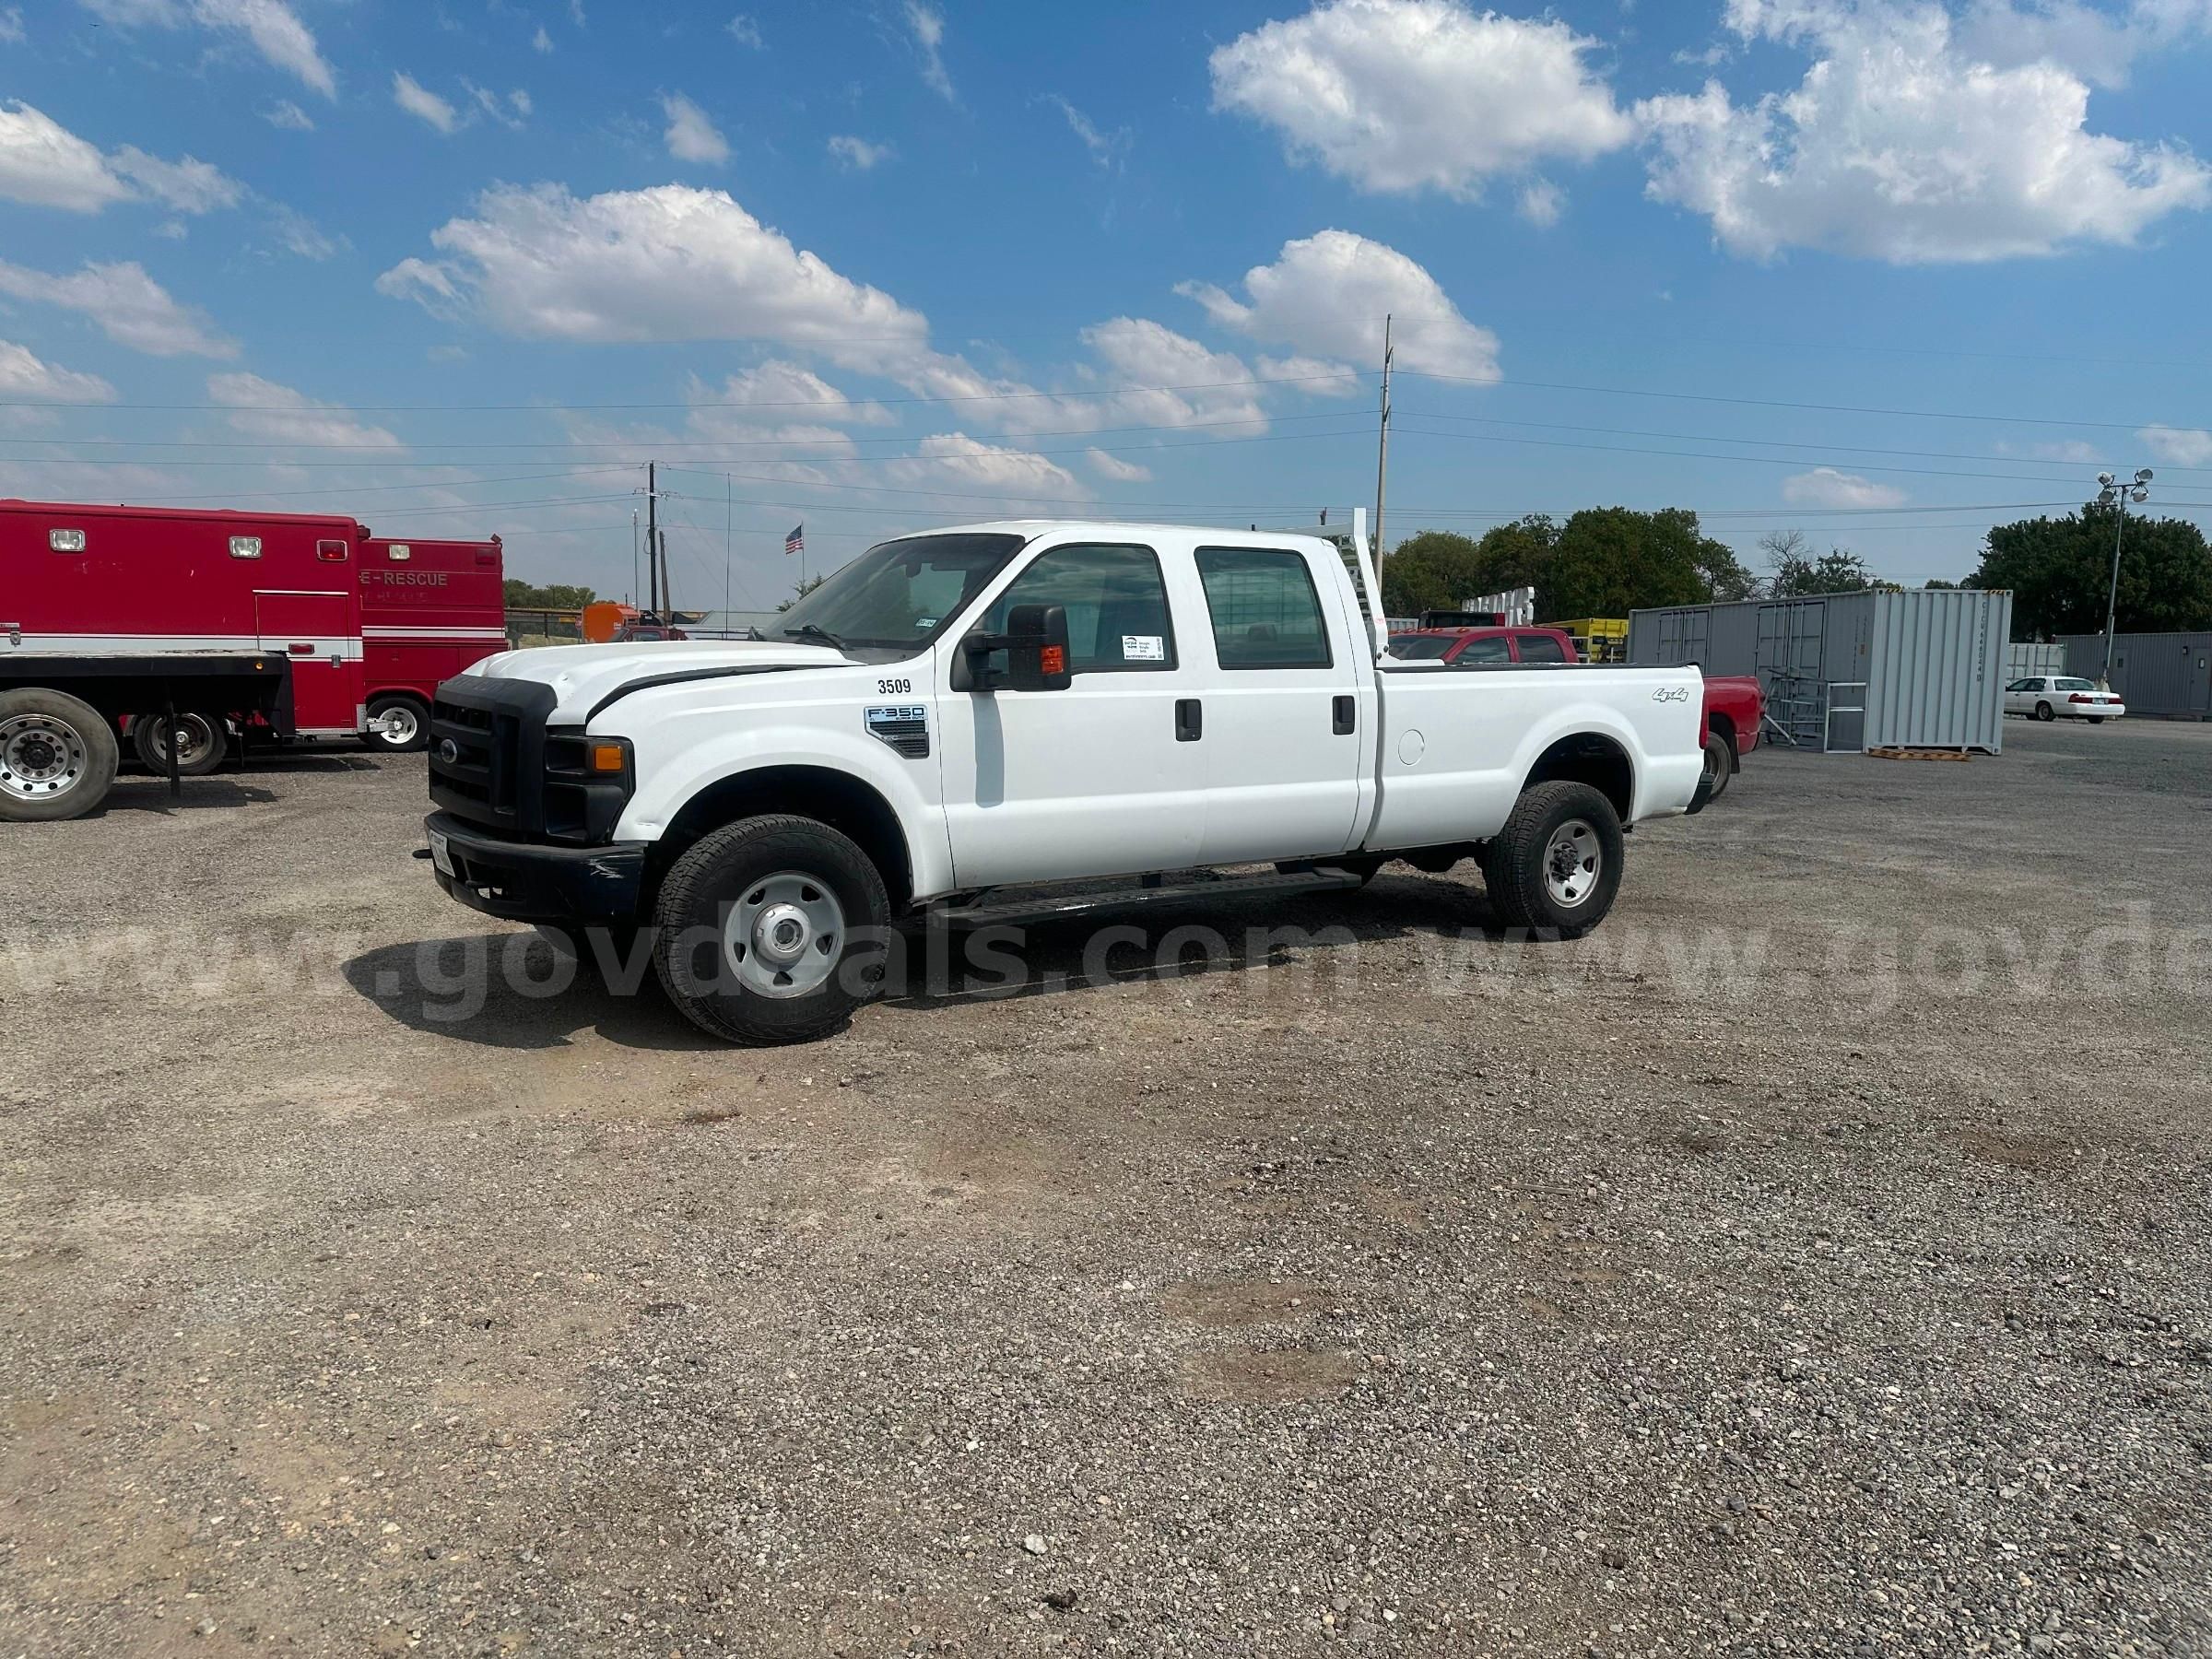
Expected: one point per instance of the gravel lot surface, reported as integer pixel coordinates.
(1815, 1259)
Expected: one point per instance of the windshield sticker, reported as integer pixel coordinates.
(1144, 647)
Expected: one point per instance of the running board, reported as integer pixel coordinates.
(1071, 905)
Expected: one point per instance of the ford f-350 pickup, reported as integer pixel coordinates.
(979, 708)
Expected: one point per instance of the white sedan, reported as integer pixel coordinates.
(2048, 696)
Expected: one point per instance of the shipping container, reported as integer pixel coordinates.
(2166, 676)
(2022, 662)
(1919, 669)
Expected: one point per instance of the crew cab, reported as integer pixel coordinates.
(957, 716)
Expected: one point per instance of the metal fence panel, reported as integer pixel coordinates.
(2022, 661)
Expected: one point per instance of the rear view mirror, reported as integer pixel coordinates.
(1036, 647)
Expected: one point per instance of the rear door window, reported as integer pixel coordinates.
(1491, 647)
(1539, 648)
(1266, 611)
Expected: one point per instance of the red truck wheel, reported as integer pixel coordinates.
(405, 723)
(201, 744)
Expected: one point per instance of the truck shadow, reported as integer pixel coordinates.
(510, 990)
(199, 794)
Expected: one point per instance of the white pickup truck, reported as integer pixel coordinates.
(970, 710)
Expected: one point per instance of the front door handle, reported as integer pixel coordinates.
(1342, 715)
(1190, 719)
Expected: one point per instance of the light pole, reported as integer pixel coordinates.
(2117, 495)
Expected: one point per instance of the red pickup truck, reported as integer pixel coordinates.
(1734, 704)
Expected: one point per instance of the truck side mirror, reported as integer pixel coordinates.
(1036, 647)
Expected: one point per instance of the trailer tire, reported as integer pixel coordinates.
(1556, 866)
(58, 757)
(203, 743)
(415, 735)
(1720, 763)
(772, 930)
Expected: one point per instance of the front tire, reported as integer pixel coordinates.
(1556, 866)
(410, 720)
(2043, 711)
(202, 743)
(1720, 765)
(770, 930)
(57, 756)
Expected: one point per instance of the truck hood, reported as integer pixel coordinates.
(582, 675)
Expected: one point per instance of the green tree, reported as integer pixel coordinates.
(2059, 571)
(1433, 570)
(524, 595)
(799, 590)
(1610, 560)
(1799, 571)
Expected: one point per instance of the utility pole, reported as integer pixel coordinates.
(2117, 495)
(632, 595)
(729, 540)
(653, 535)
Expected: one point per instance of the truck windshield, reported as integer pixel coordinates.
(894, 598)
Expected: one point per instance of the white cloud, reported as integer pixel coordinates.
(283, 416)
(787, 391)
(1153, 376)
(188, 185)
(271, 25)
(744, 30)
(1115, 468)
(2178, 446)
(1019, 472)
(1541, 203)
(43, 163)
(1902, 143)
(927, 25)
(691, 136)
(2072, 451)
(1408, 95)
(541, 41)
(24, 375)
(130, 307)
(858, 153)
(422, 103)
(1825, 487)
(1106, 148)
(11, 25)
(510, 110)
(1328, 294)
(1311, 377)
(2099, 45)
(288, 115)
(423, 282)
(298, 234)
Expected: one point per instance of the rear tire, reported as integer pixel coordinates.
(57, 756)
(1720, 764)
(414, 717)
(1556, 866)
(772, 930)
(2094, 719)
(2043, 711)
(203, 742)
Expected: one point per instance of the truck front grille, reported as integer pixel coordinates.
(487, 752)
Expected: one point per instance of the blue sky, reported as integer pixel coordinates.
(1879, 272)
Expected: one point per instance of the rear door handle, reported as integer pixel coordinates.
(1342, 716)
(1190, 719)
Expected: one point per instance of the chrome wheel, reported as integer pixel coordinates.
(1572, 863)
(42, 759)
(784, 935)
(400, 726)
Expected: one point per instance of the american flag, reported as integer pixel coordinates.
(796, 541)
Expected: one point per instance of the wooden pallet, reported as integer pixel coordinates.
(1919, 754)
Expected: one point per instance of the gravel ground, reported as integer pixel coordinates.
(1813, 1261)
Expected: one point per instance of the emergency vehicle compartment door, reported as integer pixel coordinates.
(315, 632)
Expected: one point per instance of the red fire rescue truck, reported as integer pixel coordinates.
(122, 623)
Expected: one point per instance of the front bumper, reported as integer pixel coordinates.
(526, 881)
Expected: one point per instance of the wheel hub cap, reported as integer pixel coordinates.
(1572, 864)
(784, 935)
(40, 757)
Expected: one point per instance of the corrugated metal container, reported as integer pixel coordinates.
(1921, 669)
(2021, 660)
(2164, 675)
